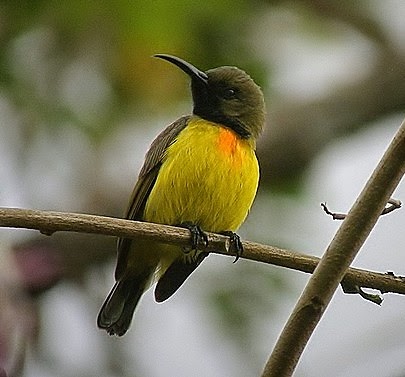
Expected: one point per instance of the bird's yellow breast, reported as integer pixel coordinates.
(209, 176)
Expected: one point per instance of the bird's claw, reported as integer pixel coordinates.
(198, 237)
(235, 244)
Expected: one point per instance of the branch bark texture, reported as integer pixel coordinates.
(337, 258)
(48, 222)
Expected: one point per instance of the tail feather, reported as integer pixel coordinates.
(118, 309)
(175, 276)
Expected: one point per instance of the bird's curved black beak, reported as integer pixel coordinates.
(188, 68)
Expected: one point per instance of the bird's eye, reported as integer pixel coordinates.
(229, 93)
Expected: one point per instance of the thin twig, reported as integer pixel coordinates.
(392, 205)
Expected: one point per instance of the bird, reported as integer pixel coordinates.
(201, 173)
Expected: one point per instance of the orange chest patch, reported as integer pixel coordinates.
(228, 143)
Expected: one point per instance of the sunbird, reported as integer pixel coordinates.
(200, 173)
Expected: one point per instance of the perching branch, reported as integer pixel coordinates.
(337, 258)
(48, 222)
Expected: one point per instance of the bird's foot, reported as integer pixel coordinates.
(198, 237)
(235, 244)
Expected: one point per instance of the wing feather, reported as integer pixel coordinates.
(147, 177)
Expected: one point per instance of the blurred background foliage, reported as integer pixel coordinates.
(81, 98)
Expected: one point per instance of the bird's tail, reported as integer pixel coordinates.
(118, 309)
(175, 276)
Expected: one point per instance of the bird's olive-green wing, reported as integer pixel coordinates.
(146, 180)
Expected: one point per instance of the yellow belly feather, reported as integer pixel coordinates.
(209, 177)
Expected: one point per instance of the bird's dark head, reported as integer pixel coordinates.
(225, 95)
